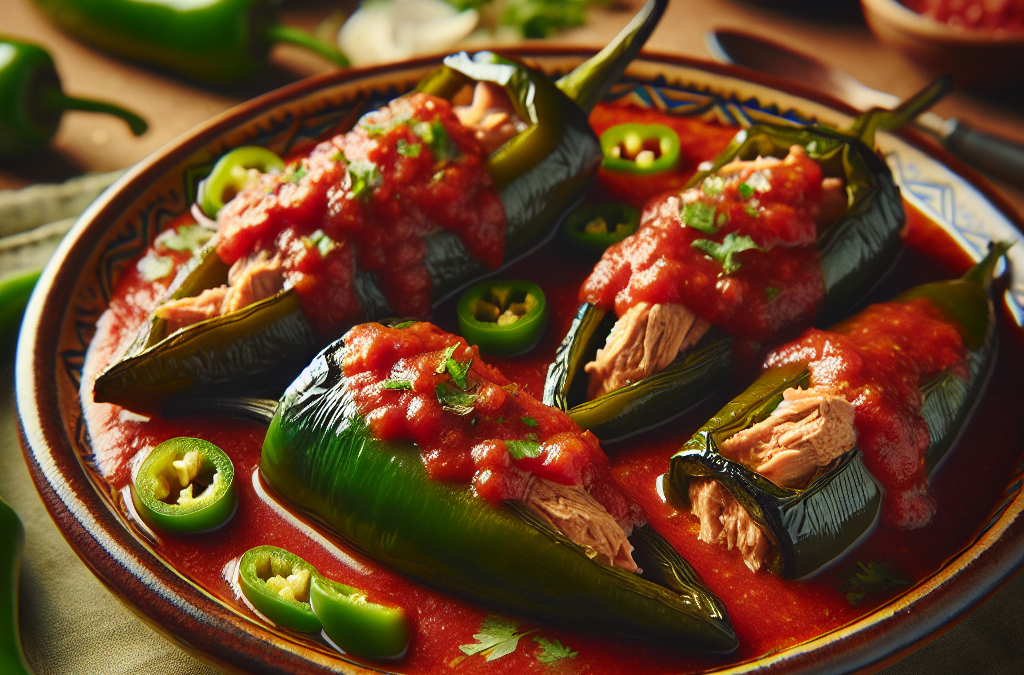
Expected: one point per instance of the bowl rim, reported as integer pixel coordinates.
(900, 17)
(191, 618)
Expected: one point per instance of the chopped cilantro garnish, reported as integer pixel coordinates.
(324, 244)
(722, 219)
(365, 178)
(453, 400)
(497, 638)
(338, 156)
(713, 185)
(295, 174)
(153, 267)
(500, 420)
(405, 324)
(436, 137)
(872, 578)
(523, 449)
(403, 385)
(771, 293)
(375, 129)
(699, 216)
(746, 191)
(455, 369)
(724, 252)
(553, 650)
(529, 421)
(408, 149)
(186, 238)
(752, 210)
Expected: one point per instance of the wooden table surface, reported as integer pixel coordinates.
(172, 106)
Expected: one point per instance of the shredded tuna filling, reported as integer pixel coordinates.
(805, 433)
(577, 515)
(250, 280)
(491, 116)
(643, 341)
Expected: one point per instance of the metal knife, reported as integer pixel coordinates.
(999, 157)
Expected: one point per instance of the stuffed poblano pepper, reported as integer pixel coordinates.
(841, 426)
(465, 174)
(789, 224)
(407, 445)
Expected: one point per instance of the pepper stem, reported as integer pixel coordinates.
(587, 84)
(58, 100)
(280, 33)
(865, 126)
(982, 271)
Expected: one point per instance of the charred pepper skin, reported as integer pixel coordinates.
(812, 527)
(32, 101)
(854, 253)
(541, 172)
(320, 455)
(219, 41)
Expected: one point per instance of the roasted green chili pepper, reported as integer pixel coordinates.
(14, 294)
(811, 527)
(215, 41)
(32, 102)
(12, 542)
(593, 228)
(503, 317)
(320, 455)
(540, 172)
(640, 148)
(277, 583)
(233, 173)
(356, 625)
(854, 253)
(185, 485)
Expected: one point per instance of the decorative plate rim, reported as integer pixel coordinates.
(193, 619)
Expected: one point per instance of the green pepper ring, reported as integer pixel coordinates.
(355, 625)
(614, 214)
(668, 146)
(517, 337)
(204, 514)
(284, 612)
(230, 173)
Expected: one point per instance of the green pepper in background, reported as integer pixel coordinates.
(854, 252)
(540, 172)
(32, 102)
(640, 148)
(14, 294)
(320, 454)
(503, 317)
(811, 527)
(285, 599)
(356, 625)
(185, 485)
(217, 41)
(592, 229)
(12, 542)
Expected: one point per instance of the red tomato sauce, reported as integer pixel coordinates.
(410, 384)
(767, 613)
(993, 15)
(365, 200)
(772, 282)
(878, 360)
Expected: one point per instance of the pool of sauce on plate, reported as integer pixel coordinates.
(768, 613)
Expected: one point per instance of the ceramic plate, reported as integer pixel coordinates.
(75, 288)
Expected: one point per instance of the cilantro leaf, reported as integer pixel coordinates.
(453, 400)
(699, 216)
(497, 638)
(529, 421)
(405, 324)
(186, 238)
(872, 578)
(523, 449)
(323, 243)
(365, 178)
(552, 651)
(455, 369)
(752, 210)
(724, 252)
(153, 267)
(436, 137)
(295, 174)
(713, 185)
(403, 385)
(406, 149)
(746, 191)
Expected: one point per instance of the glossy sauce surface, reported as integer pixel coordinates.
(768, 613)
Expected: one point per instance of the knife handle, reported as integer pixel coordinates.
(998, 156)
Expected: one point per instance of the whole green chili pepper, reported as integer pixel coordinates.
(503, 317)
(215, 41)
(320, 454)
(32, 102)
(640, 148)
(811, 527)
(540, 172)
(854, 252)
(12, 542)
